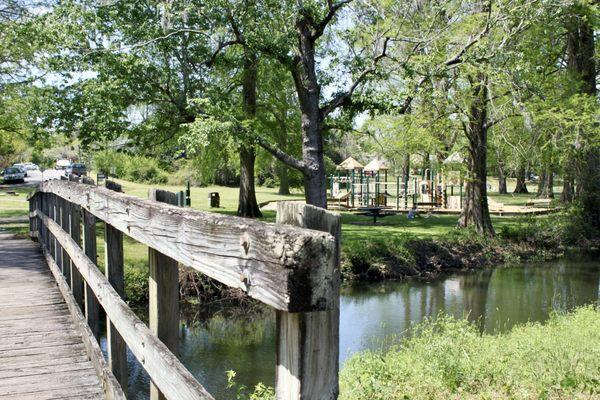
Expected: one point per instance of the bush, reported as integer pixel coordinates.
(111, 163)
(450, 359)
(144, 169)
(133, 168)
(136, 284)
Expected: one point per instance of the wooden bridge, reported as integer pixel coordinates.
(52, 294)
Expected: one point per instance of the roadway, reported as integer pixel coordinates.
(35, 177)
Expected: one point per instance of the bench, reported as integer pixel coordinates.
(534, 202)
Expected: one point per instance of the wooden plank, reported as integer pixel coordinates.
(22, 385)
(115, 273)
(65, 217)
(33, 370)
(92, 308)
(284, 267)
(308, 343)
(163, 367)
(41, 359)
(112, 388)
(66, 393)
(76, 279)
(163, 304)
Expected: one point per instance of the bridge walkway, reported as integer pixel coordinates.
(42, 355)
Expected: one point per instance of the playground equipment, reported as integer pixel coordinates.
(354, 185)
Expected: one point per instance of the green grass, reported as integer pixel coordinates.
(14, 206)
(450, 359)
(199, 195)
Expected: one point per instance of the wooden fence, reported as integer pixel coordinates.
(291, 268)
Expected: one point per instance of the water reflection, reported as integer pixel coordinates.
(495, 299)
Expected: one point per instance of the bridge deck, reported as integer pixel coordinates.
(41, 353)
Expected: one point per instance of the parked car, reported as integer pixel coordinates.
(21, 167)
(29, 166)
(63, 164)
(76, 169)
(12, 174)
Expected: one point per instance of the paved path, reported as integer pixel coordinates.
(42, 356)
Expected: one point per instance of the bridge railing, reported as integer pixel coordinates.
(291, 268)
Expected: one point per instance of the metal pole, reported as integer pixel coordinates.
(188, 195)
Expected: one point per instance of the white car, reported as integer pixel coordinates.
(13, 174)
(63, 164)
(29, 166)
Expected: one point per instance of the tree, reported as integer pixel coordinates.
(582, 67)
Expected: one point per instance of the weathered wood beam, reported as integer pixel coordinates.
(92, 308)
(163, 367)
(76, 279)
(115, 273)
(308, 343)
(163, 304)
(285, 267)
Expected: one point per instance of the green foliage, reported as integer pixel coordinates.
(136, 284)
(259, 392)
(145, 169)
(570, 227)
(450, 359)
(134, 168)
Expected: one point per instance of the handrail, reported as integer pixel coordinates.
(293, 269)
(284, 267)
(165, 370)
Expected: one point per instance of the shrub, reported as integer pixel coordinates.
(144, 169)
(136, 284)
(449, 359)
(111, 163)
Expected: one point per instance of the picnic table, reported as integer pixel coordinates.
(374, 212)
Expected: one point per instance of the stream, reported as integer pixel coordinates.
(217, 339)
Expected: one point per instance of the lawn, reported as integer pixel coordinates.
(14, 206)
(354, 227)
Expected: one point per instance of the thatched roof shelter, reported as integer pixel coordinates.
(376, 165)
(350, 164)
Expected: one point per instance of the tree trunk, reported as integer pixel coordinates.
(521, 186)
(475, 210)
(284, 179)
(568, 193)
(546, 185)
(590, 186)
(501, 180)
(309, 96)
(247, 205)
(406, 168)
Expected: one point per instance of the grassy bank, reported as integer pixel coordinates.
(450, 359)
(399, 255)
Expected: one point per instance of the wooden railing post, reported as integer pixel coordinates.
(75, 229)
(92, 308)
(308, 343)
(65, 222)
(113, 249)
(51, 214)
(57, 219)
(163, 292)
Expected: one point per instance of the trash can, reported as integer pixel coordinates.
(214, 199)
